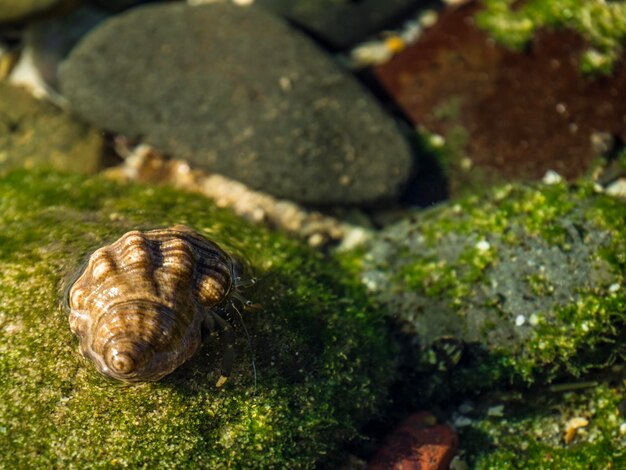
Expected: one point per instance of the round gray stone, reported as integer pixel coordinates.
(237, 91)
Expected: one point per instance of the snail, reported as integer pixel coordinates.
(141, 304)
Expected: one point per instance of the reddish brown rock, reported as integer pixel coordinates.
(418, 444)
(513, 115)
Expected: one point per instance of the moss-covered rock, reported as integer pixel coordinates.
(521, 283)
(322, 359)
(602, 24)
(547, 428)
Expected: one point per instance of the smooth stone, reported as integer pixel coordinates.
(35, 133)
(11, 10)
(343, 23)
(237, 91)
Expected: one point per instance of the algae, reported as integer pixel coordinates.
(602, 24)
(524, 282)
(513, 430)
(322, 356)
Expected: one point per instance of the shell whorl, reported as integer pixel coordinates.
(139, 305)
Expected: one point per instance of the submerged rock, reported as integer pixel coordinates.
(239, 92)
(323, 361)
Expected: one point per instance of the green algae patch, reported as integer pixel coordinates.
(581, 428)
(322, 358)
(601, 24)
(524, 283)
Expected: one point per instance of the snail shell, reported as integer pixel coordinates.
(141, 304)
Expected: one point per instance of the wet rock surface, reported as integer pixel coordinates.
(323, 360)
(505, 114)
(36, 133)
(514, 275)
(506, 307)
(237, 91)
(418, 444)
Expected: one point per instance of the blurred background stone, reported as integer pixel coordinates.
(235, 90)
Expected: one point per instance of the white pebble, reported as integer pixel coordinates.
(617, 188)
(483, 246)
(520, 320)
(436, 140)
(614, 288)
(552, 177)
(370, 53)
(428, 18)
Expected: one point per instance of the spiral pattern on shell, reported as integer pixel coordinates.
(141, 303)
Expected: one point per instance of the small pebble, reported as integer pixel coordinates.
(617, 188)
(572, 426)
(483, 246)
(552, 177)
(520, 320)
(419, 443)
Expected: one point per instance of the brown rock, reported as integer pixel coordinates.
(418, 444)
(508, 115)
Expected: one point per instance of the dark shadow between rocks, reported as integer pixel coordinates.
(428, 184)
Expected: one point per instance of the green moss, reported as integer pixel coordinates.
(529, 278)
(322, 358)
(528, 431)
(602, 24)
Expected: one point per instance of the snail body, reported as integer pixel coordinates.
(142, 303)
